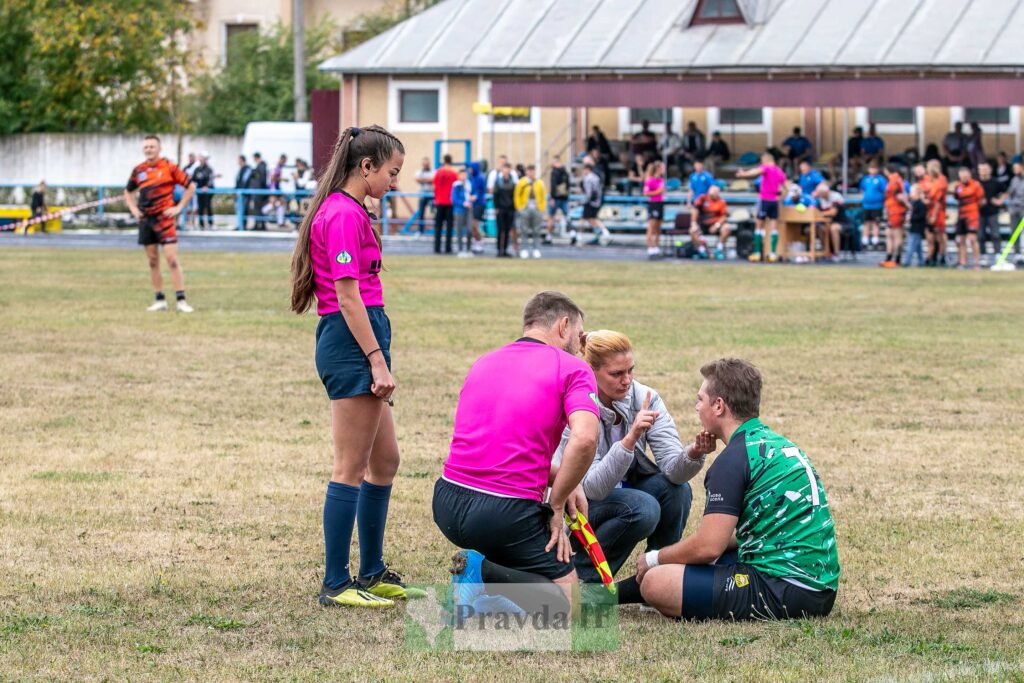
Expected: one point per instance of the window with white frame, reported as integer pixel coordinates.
(886, 115)
(997, 120)
(523, 122)
(991, 115)
(418, 106)
(729, 121)
(891, 120)
(638, 116)
(753, 116)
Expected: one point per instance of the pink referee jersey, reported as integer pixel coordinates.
(512, 410)
(343, 245)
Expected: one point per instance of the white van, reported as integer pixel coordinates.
(274, 138)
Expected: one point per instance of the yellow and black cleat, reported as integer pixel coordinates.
(352, 595)
(389, 585)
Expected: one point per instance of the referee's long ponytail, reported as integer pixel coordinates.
(353, 145)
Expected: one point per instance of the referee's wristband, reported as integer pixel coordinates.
(652, 558)
(373, 352)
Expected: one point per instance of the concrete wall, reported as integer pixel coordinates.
(104, 159)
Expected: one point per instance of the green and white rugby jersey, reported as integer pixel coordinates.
(785, 528)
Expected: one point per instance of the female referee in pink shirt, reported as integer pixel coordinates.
(337, 261)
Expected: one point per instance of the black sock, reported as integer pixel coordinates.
(532, 592)
(180, 295)
(629, 591)
(899, 257)
(160, 296)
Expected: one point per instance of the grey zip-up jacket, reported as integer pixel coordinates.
(1015, 196)
(612, 461)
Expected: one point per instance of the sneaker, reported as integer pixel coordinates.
(467, 581)
(536, 253)
(183, 307)
(772, 258)
(754, 258)
(158, 306)
(464, 254)
(594, 241)
(548, 239)
(478, 248)
(525, 253)
(605, 239)
(573, 238)
(719, 255)
(389, 585)
(351, 595)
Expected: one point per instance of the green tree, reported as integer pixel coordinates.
(256, 82)
(91, 65)
(370, 24)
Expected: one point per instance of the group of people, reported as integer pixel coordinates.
(260, 207)
(575, 434)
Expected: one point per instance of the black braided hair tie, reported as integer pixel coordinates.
(355, 132)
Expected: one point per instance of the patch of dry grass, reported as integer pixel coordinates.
(162, 477)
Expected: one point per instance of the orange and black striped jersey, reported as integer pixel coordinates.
(155, 183)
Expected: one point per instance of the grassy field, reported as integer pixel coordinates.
(162, 477)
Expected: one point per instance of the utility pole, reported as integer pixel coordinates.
(299, 59)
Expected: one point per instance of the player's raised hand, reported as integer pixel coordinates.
(644, 419)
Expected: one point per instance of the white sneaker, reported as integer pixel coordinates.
(605, 239)
(158, 306)
(183, 307)
(536, 253)
(525, 253)
(463, 254)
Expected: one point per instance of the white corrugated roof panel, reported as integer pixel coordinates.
(648, 26)
(597, 34)
(835, 25)
(726, 46)
(786, 26)
(508, 32)
(877, 32)
(926, 32)
(420, 34)
(553, 35)
(974, 32)
(1004, 48)
(456, 45)
(681, 46)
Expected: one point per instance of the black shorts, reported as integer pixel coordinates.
(874, 215)
(767, 209)
(966, 226)
(511, 532)
(157, 230)
(478, 212)
(738, 592)
(590, 211)
(340, 362)
(656, 210)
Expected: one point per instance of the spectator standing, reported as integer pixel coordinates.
(654, 191)
(479, 192)
(693, 143)
(644, 143)
(258, 181)
(954, 146)
(712, 214)
(872, 187)
(634, 175)
(991, 204)
(855, 150)
(38, 205)
(462, 208)
(699, 182)
(203, 178)
(773, 186)
(498, 169)
(443, 216)
(425, 180)
(718, 151)
(896, 205)
(1015, 201)
(559, 200)
(669, 145)
(809, 178)
(531, 203)
(937, 191)
(970, 195)
(277, 175)
(593, 199)
(1003, 172)
(873, 146)
(798, 150)
(918, 226)
(303, 176)
(601, 152)
(503, 191)
(975, 147)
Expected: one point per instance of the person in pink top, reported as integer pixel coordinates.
(654, 190)
(513, 407)
(773, 186)
(337, 263)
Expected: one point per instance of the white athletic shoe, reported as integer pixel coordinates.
(605, 239)
(536, 253)
(158, 306)
(183, 307)
(525, 253)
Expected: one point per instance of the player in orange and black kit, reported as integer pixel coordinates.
(938, 188)
(896, 205)
(154, 179)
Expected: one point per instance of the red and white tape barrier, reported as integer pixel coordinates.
(24, 225)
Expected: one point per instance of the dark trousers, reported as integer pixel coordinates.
(205, 201)
(505, 219)
(443, 217)
(425, 203)
(990, 233)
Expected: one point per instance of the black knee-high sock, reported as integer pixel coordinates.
(531, 592)
(629, 591)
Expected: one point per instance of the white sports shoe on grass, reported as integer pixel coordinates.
(183, 307)
(524, 254)
(536, 253)
(157, 306)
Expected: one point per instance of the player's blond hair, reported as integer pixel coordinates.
(600, 346)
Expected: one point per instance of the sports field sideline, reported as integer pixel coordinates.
(162, 476)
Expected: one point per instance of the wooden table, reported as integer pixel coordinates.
(791, 225)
